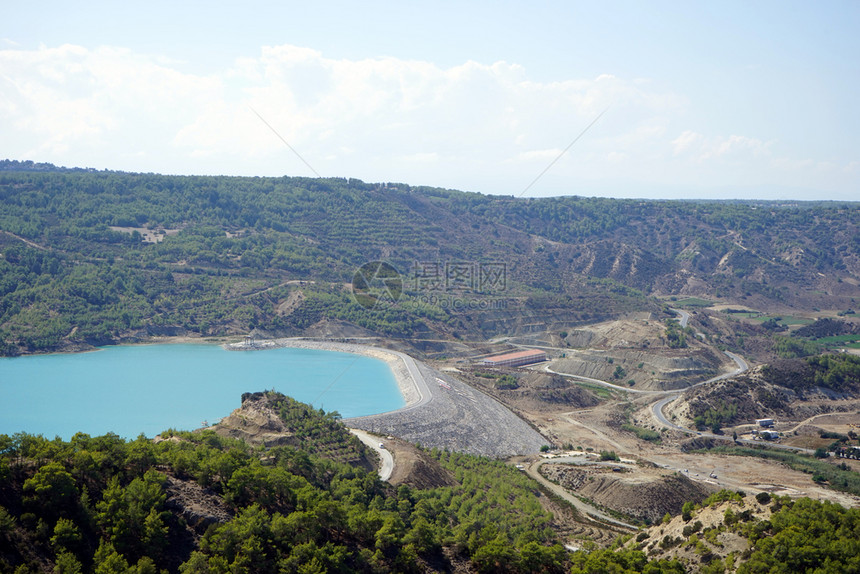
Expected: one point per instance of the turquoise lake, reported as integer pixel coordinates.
(129, 390)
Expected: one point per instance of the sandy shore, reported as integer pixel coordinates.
(408, 386)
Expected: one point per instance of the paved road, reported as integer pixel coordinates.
(658, 406)
(666, 396)
(669, 396)
(739, 361)
(657, 409)
(387, 466)
(685, 317)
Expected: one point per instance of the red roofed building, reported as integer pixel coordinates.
(516, 359)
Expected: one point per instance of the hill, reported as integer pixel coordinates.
(733, 532)
(200, 502)
(642, 294)
(788, 389)
(91, 258)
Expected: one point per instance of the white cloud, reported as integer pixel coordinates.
(704, 148)
(69, 97)
(738, 145)
(422, 157)
(478, 126)
(686, 141)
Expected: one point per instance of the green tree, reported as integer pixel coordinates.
(687, 511)
(52, 489)
(67, 563)
(667, 518)
(132, 516)
(495, 556)
(67, 536)
(763, 497)
(108, 561)
(7, 522)
(536, 557)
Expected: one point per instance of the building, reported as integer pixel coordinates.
(516, 359)
(764, 423)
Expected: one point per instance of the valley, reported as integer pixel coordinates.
(671, 330)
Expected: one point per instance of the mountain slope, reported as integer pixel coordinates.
(99, 257)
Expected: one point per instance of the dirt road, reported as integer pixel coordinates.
(589, 511)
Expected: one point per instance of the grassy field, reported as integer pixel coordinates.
(790, 321)
(745, 314)
(837, 341)
(787, 320)
(693, 302)
(602, 392)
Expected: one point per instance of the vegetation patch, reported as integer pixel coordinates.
(103, 504)
(642, 433)
(694, 302)
(599, 390)
(716, 418)
(839, 478)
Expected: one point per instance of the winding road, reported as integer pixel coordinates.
(669, 396)
(685, 317)
(589, 511)
(657, 407)
(387, 465)
(666, 397)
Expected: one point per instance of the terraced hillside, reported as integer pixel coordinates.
(92, 258)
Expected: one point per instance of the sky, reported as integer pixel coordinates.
(647, 99)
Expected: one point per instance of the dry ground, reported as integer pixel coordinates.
(593, 428)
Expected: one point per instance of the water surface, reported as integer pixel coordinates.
(146, 389)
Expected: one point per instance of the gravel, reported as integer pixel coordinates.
(448, 415)
(457, 418)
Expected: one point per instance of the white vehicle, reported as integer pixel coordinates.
(382, 445)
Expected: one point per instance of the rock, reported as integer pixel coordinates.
(200, 507)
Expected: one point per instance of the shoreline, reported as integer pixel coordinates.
(405, 378)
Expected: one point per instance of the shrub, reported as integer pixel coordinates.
(608, 455)
(667, 518)
(507, 382)
(687, 511)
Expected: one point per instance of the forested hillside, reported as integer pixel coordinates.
(98, 257)
(200, 503)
